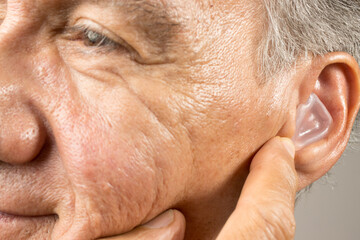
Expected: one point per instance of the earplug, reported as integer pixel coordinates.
(313, 122)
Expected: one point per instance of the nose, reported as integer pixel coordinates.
(22, 133)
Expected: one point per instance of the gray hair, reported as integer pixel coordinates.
(309, 27)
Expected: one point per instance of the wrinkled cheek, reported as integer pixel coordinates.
(117, 187)
(113, 178)
(121, 166)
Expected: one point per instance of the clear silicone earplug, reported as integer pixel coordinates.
(313, 122)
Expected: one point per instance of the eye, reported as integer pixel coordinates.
(88, 35)
(94, 39)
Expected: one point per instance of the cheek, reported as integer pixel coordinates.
(122, 163)
(119, 181)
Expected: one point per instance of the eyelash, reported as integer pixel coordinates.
(99, 41)
(94, 39)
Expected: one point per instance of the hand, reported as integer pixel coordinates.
(265, 209)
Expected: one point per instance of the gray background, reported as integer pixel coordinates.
(331, 209)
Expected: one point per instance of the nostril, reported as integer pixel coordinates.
(22, 137)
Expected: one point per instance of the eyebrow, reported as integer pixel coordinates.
(154, 19)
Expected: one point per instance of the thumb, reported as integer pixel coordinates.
(168, 226)
(265, 209)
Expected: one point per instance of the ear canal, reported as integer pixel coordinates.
(313, 122)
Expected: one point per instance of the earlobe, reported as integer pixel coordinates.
(324, 122)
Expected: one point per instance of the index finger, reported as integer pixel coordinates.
(265, 209)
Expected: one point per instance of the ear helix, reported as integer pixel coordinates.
(313, 122)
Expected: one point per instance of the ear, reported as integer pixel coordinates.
(335, 79)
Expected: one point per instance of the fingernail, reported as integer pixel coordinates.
(161, 221)
(289, 145)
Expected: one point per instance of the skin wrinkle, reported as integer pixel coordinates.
(151, 20)
(145, 137)
(152, 17)
(128, 140)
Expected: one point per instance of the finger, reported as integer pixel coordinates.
(167, 226)
(265, 209)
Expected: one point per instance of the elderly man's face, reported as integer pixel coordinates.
(114, 111)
